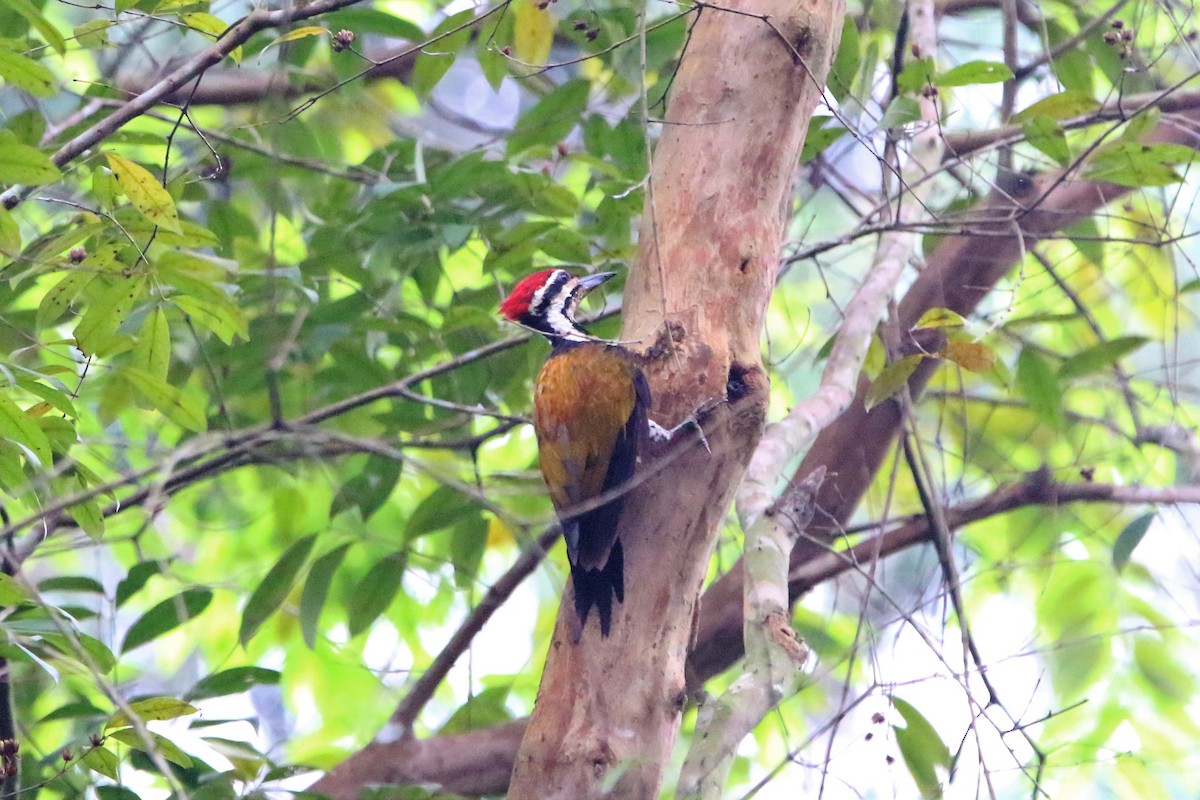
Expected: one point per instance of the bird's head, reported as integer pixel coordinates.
(546, 301)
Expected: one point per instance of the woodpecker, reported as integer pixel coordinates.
(590, 412)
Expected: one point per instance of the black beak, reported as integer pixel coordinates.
(589, 282)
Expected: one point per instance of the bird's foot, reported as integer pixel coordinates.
(690, 424)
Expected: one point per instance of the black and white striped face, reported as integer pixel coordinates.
(547, 301)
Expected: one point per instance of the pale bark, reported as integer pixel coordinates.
(791, 436)
(608, 710)
(774, 656)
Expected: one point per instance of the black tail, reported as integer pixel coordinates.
(597, 587)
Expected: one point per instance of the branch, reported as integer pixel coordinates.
(774, 657)
(963, 143)
(211, 454)
(478, 763)
(237, 35)
(1036, 489)
(406, 713)
(792, 435)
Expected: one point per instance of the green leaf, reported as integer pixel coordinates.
(1159, 664)
(12, 593)
(436, 59)
(163, 746)
(50, 33)
(25, 73)
(1047, 136)
(551, 119)
(152, 351)
(63, 293)
(151, 709)
(1142, 125)
(102, 760)
(20, 163)
(374, 20)
(923, 750)
(846, 62)
(374, 594)
(211, 26)
(87, 515)
(916, 75)
(93, 34)
(1041, 389)
(233, 681)
(148, 196)
(20, 429)
(178, 407)
(443, 507)
(901, 111)
(1129, 538)
(97, 332)
(1099, 357)
(222, 317)
(71, 583)
(166, 617)
(468, 541)
(316, 590)
(370, 488)
(10, 238)
(818, 139)
(1136, 165)
(274, 588)
(80, 709)
(974, 72)
(136, 578)
(1063, 105)
(891, 381)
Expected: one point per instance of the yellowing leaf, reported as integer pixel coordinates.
(298, 33)
(533, 32)
(971, 356)
(148, 196)
(150, 710)
(211, 26)
(940, 318)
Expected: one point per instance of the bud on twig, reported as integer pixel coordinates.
(342, 40)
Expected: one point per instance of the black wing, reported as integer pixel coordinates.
(598, 564)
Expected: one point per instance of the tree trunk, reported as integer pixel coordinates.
(608, 710)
